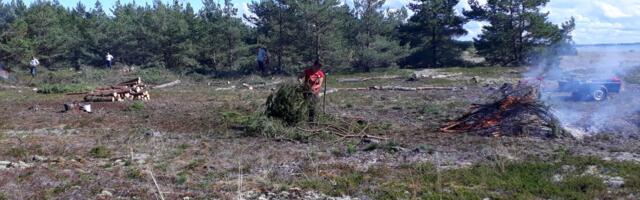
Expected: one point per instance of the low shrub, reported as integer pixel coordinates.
(100, 152)
(135, 106)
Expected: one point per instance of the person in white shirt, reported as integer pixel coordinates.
(109, 58)
(33, 64)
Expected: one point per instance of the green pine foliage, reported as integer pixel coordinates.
(374, 44)
(432, 31)
(214, 40)
(288, 104)
(519, 32)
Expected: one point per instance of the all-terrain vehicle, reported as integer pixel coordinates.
(595, 90)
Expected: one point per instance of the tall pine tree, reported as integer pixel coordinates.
(432, 31)
(518, 32)
(374, 43)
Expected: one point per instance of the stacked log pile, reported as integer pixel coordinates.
(128, 90)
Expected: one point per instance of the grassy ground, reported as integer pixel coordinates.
(203, 142)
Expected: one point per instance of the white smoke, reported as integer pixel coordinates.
(613, 116)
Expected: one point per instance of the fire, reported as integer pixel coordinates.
(490, 123)
(515, 105)
(508, 102)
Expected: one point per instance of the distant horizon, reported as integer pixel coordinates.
(610, 44)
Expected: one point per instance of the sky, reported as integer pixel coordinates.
(597, 21)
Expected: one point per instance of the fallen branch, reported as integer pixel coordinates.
(226, 88)
(251, 87)
(346, 80)
(156, 183)
(343, 134)
(362, 136)
(176, 82)
(391, 88)
(17, 87)
(248, 86)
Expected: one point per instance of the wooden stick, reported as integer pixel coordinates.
(361, 136)
(99, 99)
(344, 135)
(366, 79)
(389, 88)
(176, 82)
(137, 81)
(113, 87)
(156, 183)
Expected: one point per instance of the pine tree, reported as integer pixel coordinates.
(299, 32)
(431, 32)
(518, 32)
(317, 26)
(96, 42)
(48, 23)
(374, 42)
(274, 21)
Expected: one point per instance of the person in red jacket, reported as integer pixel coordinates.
(312, 80)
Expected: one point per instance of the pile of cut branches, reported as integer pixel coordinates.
(288, 104)
(515, 110)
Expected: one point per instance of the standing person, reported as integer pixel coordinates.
(4, 74)
(109, 58)
(33, 66)
(263, 60)
(312, 80)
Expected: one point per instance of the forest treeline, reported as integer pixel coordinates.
(215, 39)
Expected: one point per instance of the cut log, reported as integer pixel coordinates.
(137, 89)
(109, 92)
(140, 93)
(71, 106)
(99, 99)
(128, 90)
(137, 81)
(176, 82)
(116, 87)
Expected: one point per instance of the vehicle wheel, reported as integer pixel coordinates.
(599, 94)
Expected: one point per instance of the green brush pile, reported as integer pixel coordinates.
(288, 104)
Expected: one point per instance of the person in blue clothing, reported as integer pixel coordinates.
(263, 60)
(4, 74)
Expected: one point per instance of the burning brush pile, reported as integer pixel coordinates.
(128, 90)
(515, 110)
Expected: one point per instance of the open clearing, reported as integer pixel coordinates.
(193, 139)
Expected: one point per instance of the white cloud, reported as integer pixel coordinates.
(611, 21)
(612, 11)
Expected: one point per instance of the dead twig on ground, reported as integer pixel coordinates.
(390, 88)
(156, 183)
(346, 80)
(341, 132)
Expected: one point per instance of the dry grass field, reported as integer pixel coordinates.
(204, 139)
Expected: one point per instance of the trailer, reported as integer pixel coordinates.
(594, 90)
